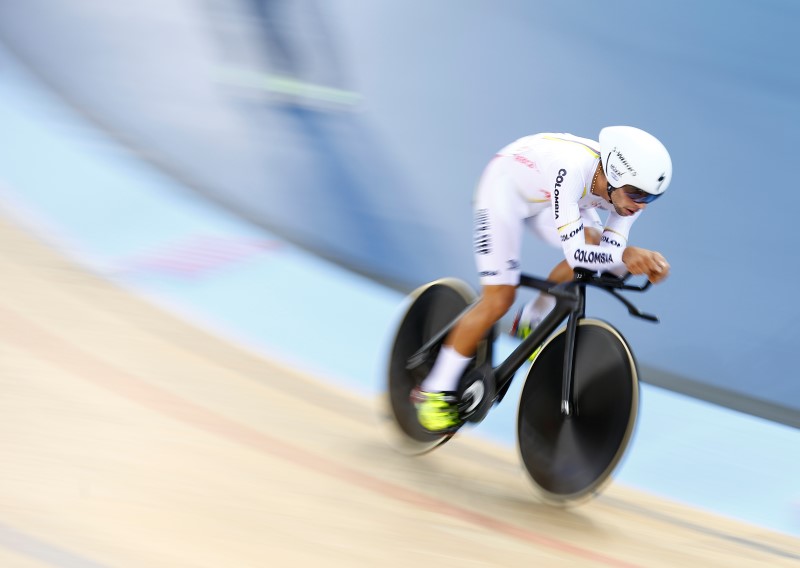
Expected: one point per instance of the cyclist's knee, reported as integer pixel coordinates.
(497, 300)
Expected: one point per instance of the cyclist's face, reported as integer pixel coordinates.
(629, 200)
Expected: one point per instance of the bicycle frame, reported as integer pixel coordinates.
(570, 305)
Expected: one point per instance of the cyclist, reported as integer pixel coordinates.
(553, 183)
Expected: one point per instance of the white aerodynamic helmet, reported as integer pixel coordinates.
(632, 156)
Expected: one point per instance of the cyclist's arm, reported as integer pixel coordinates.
(615, 237)
(605, 257)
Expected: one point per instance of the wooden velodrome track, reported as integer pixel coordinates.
(131, 438)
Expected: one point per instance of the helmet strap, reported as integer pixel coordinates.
(610, 190)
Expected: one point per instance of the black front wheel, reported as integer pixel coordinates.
(570, 458)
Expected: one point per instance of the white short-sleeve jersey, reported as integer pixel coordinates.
(544, 175)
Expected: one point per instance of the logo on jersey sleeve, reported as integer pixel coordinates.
(574, 232)
(593, 257)
(559, 180)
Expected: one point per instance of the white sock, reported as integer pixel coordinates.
(535, 310)
(446, 372)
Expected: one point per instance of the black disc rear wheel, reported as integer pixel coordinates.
(570, 458)
(430, 308)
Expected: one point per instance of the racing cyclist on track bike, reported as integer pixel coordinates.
(553, 183)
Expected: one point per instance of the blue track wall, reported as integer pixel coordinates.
(382, 182)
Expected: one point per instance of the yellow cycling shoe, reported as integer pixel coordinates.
(521, 330)
(437, 412)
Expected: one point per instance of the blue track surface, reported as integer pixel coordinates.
(154, 237)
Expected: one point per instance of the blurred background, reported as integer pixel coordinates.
(357, 130)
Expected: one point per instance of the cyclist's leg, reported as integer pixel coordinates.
(493, 304)
(437, 399)
(499, 214)
(497, 232)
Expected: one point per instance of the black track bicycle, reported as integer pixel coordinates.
(579, 402)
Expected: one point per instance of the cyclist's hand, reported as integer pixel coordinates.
(642, 261)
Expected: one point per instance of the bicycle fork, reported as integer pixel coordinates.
(568, 378)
